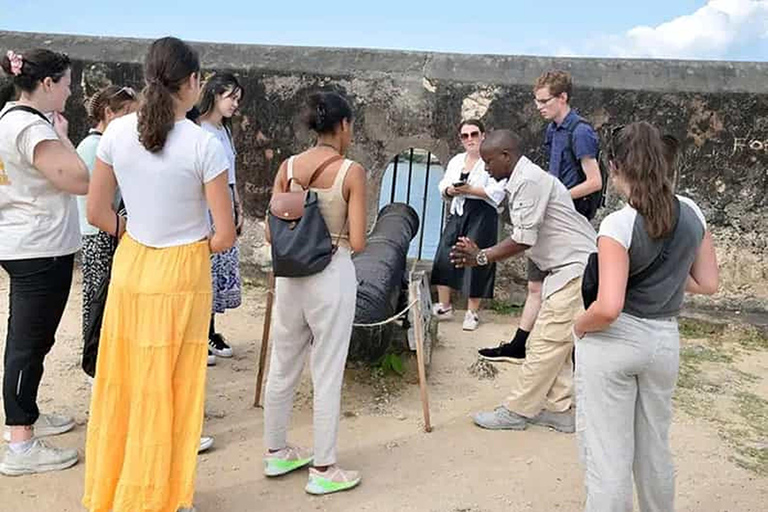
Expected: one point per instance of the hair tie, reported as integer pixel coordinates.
(17, 61)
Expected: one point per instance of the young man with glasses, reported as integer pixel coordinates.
(572, 147)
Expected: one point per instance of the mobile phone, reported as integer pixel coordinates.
(459, 183)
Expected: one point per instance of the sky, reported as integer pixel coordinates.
(677, 29)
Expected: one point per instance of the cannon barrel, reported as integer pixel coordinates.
(381, 279)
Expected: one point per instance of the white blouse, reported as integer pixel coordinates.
(478, 177)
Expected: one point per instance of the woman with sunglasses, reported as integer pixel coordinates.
(106, 105)
(219, 101)
(474, 212)
(627, 340)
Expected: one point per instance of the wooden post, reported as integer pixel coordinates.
(418, 327)
(265, 338)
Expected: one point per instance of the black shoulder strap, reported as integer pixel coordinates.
(635, 279)
(27, 109)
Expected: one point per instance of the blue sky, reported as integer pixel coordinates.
(706, 29)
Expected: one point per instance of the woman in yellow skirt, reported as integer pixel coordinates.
(147, 405)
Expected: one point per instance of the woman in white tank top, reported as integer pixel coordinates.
(315, 313)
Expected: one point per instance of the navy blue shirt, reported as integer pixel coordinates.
(562, 163)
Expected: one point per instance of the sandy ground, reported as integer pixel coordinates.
(456, 468)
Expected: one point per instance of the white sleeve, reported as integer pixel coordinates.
(213, 160)
(452, 173)
(495, 189)
(33, 135)
(619, 226)
(104, 149)
(695, 209)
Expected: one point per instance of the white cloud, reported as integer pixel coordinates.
(720, 29)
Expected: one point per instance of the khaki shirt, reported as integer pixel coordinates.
(543, 217)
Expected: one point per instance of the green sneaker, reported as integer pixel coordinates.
(286, 460)
(333, 479)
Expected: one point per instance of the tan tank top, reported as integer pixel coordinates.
(333, 206)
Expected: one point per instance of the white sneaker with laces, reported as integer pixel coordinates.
(442, 312)
(47, 425)
(470, 321)
(39, 458)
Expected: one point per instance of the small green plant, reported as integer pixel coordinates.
(504, 308)
(692, 328)
(392, 363)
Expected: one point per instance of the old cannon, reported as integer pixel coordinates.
(382, 283)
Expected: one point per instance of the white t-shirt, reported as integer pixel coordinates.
(163, 192)
(37, 220)
(659, 295)
(222, 136)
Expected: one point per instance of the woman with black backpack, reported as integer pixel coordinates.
(650, 253)
(314, 313)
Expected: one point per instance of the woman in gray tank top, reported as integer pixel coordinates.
(628, 341)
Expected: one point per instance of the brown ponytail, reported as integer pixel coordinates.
(168, 64)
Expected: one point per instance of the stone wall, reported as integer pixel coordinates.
(719, 110)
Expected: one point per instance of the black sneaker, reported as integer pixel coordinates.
(218, 346)
(505, 353)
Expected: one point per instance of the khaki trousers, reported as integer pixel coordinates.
(545, 380)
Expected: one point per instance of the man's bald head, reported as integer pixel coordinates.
(504, 140)
(500, 151)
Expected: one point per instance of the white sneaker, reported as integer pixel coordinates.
(206, 442)
(441, 312)
(47, 425)
(211, 358)
(470, 321)
(40, 458)
(333, 479)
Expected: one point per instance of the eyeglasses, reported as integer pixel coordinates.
(128, 91)
(544, 101)
(471, 135)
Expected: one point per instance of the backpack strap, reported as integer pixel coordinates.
(292, 179)
(29, 110)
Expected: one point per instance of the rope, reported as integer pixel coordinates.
(390, 319)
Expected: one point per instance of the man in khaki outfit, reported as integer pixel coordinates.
(558, 239)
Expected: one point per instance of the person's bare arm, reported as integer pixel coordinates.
(593, 181)
(705, 275)
(220, 204)
(464, 252)
(355, 183)
(62, 166)
(101, 195)
(470, 190)
(277, 187)
(613, 269)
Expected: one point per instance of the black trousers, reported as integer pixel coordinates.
(38, 296)
(480, 222)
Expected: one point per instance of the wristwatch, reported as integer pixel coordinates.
(481, 258)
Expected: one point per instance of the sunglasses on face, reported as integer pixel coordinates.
(471, 135)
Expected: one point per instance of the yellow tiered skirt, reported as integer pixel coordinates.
(146, 411)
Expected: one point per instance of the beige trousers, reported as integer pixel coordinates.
(545, 380)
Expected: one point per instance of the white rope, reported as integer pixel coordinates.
(390, 319)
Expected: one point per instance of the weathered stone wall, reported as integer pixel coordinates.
(719, 110)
